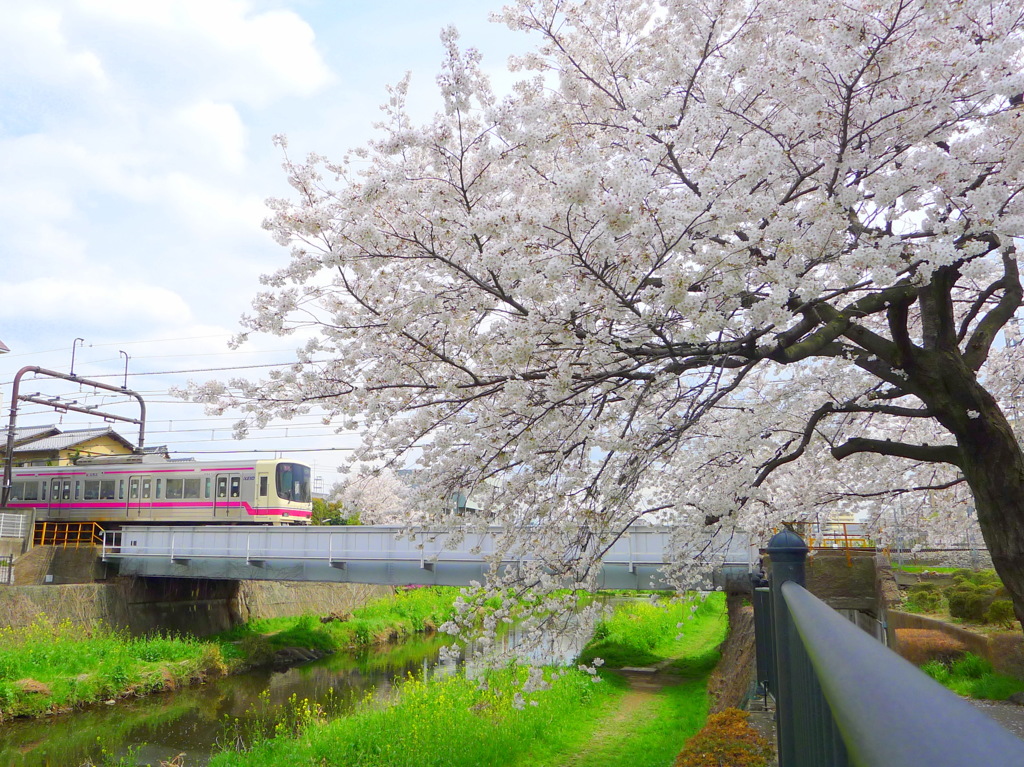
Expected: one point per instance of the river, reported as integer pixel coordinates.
(198, 721)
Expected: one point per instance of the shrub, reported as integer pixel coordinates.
(257, 650)
(970, 601)
(1001, 612)
(727, 740)
(923, 598)
(922, 645)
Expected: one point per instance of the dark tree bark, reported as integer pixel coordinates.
(941, 371)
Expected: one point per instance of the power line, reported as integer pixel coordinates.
(194, 370)
(289, 450)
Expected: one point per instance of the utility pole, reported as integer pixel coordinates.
(59, 406)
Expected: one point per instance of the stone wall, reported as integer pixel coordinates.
(730, 682)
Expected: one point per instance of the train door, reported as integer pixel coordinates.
(140, 495)
(221, 508)
(262, 491)
(60, 499)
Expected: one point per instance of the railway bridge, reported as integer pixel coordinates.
(377, 555)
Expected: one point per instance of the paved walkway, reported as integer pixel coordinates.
(1010, 715)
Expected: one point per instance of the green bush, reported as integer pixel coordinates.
(924, 598)
(1001, 612)
(969, 601)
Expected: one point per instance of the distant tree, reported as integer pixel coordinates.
(699, 241)
(376, 497)
(331, 513)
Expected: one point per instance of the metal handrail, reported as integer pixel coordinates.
(887, 711)
(299, 543)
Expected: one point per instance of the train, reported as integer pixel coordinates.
(149, 490)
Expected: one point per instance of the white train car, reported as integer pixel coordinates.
(273, 491)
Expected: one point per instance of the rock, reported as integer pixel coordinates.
(1017, 697)
(336, 616)
(287, 657)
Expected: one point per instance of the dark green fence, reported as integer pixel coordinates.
(842, 698)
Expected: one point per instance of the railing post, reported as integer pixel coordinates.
(788, 554)
(765, 657)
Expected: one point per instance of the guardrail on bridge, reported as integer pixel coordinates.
(369, 555)
(842, 698)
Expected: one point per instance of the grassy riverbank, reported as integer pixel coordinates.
(409, 611)
(455, 722)
(47, 668)
(50, 667)
(973, 677)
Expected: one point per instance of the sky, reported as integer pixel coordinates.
(135, 159)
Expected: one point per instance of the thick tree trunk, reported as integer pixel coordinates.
(994, 468)
(991, 460)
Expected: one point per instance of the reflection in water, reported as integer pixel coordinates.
(197, 721)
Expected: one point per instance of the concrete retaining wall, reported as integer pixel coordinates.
(274, 599)
(145, 605)
(1005, 651)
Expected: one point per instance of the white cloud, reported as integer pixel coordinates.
(88, 303)
(217, 49)
(217, 132)
(34, 48)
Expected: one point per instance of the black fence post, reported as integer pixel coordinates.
(788, 553)
(765, 656)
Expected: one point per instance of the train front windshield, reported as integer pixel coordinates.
(293, 482)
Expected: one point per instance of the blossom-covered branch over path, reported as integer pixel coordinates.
(712, 263)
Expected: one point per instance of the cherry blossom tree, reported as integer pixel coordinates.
(379, 497)
(716, 264)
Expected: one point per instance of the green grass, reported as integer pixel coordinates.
(656, 734)
(973, 677)
(450, 722)
(454, 721)
(644, 634)
(925, 568)
(46, 666)
(409, 611)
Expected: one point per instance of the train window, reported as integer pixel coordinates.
(120, 489)
(159, 487)
(56, 490)
(65, 490)
(42, 487)
(175, 487)
(236, 487)
(146, 487)
(222, 487)
(293, 482)
(92, 489)
(192, 488)
(107, 490)
(263, 485)
(206, 493)
(133, 490)
(78, 489)
(25, 491)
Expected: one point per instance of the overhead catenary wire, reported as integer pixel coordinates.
(133, 374)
